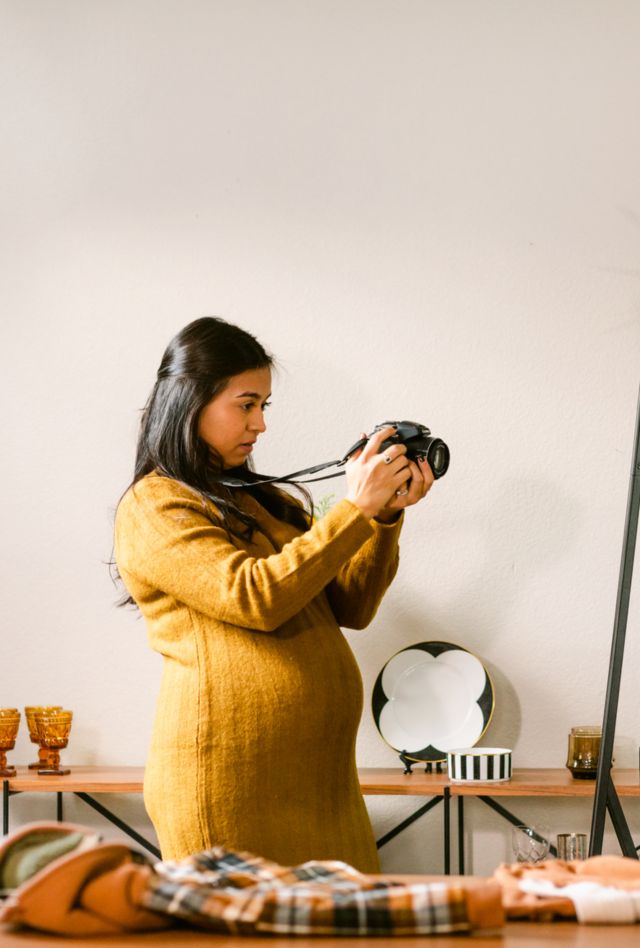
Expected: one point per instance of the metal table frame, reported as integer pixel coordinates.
(7, 793)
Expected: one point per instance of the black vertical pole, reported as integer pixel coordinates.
(5, 807)
(447, 831)
(605, 794)
(461, 869)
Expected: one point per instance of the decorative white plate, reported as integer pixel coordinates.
(430, 698)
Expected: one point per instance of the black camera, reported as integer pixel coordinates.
(418, 439)
(419, 442)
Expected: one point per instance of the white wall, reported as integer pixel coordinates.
(426, 210)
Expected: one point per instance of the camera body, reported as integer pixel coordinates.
(419, 442)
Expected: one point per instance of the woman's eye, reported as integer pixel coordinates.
(266, 405)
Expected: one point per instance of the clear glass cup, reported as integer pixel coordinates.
(530, 843)
(572, 846)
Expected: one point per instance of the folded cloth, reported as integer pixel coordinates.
(35, 848)
(601, 889)
(108, 888)
(594, 904)
(241, 893)
(71, 883)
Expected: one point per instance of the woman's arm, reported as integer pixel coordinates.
(165, 541)
(357, 590)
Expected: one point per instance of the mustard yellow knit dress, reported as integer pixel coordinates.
(253, 745)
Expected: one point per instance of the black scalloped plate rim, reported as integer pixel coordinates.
(431, 754)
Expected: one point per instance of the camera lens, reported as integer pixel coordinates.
(438, 457)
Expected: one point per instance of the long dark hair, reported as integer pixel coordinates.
(196, 366)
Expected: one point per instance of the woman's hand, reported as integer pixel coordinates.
(382, 484)
(417, 489)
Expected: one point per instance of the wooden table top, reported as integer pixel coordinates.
(533, 781)
(543, 782)
(513, 935)
(80, 780)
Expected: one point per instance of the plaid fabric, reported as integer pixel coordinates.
(243, 894)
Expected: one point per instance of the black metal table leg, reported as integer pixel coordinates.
(447, 831)
(620, 824)
(119, 823)
(5, 807)
(409, 820)
(59, 812)
(461, 835)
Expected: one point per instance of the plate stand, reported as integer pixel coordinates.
(430, 766)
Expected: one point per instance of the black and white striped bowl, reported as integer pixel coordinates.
(482, 764)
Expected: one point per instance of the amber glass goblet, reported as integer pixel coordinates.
(53, 734)
(9, 724)
(30, 712)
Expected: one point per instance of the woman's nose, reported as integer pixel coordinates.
(258, 423)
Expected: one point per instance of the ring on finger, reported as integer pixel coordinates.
(387, 459)
(403, 492)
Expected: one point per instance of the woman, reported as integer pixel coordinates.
(253, 744)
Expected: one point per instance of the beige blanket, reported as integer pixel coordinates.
(599, 890)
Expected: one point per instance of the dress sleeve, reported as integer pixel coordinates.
(358, 588)
(165, 541)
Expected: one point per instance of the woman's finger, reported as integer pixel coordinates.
(427, 473)
(356, 454)
(418, 486)
(374, 443)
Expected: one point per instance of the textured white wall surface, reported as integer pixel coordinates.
(425, 210)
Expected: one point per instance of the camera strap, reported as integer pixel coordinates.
(287, 478)
(296, 475)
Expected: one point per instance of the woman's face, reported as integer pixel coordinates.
(231, 422)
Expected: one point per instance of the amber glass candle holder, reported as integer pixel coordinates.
(30, 712)
(53, 734)
(584, 751)
(9, 724)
